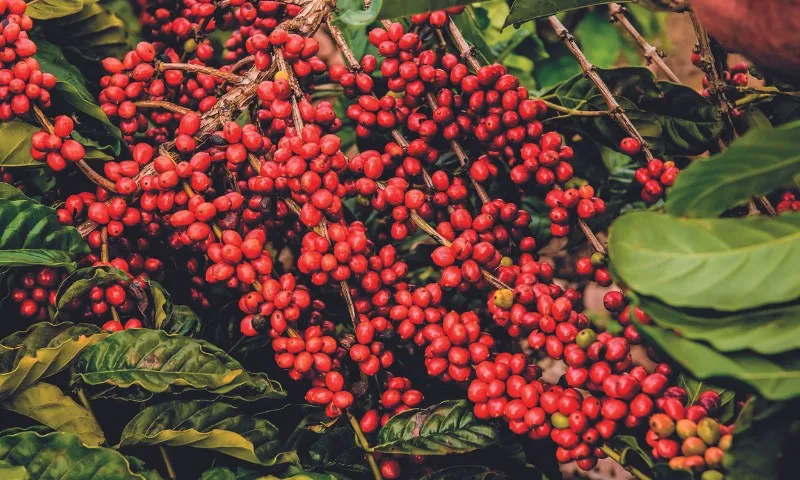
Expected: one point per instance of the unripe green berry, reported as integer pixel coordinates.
(504, 298)
(506, 262)
(598, 259)
(585, 338)
(712, 475)
(190, 45)
(708, 430)
(559, 420)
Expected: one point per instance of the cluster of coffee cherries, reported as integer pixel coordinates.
(35, 291)
(690, 438)
(788, 203)
(57, 148)
(22, 83)
(655, 178)
(99, 301)
(594, 268)
(568, 204)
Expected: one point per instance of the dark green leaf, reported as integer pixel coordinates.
(395, 9)
(63, 456)
(524, 10)
(71, 96)
(449, 427)
(466, 472)
(182, 321)
(762, 441)
(10, 192)
(776, 377)
(210, 425)
(30, 234)
(15, 150)
(46, 404)
(40, 351)
(767, 330)
(725, 264)
(627, 446)
(153, 361)
(79, 282)
(223, 473)
(47, 9)
(755, 164)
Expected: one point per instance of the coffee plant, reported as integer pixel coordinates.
(310, 239)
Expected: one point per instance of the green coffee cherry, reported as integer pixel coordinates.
(598, 259)
(712, 475)
(504, 298)
(190, 45)
(559, 420)
(708, 430)
(585, 338)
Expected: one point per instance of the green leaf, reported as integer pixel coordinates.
(673, 119)
(11, 472)
(224, 473)
(628, 445)
(695, 387)
(79, 282)
(46, 404)
(162, 304)
(70, 96)
(755, 164)
(63, 456)
(395, 9)
(767, 330)
(153, 361)
(182, 321)
(47, 9)
(16, 147)
(524, 10)
(10, 192)
(725, 264)
(40, 351)
(466, 472)
(354, 14)
(449, 427)
(762, 441)
(775, 378)
(211, 425)
(30, 234)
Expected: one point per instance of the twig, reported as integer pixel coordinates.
(708, 64)
(196, 68)
(615, 110)
(571, 112)
(651, 53)
(466, 50)
(163, 105)
(364, 444)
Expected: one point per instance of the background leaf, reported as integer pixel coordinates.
(216, 426)
(47, 9)
(755, 164)
(46, 404)
(395, 9)
(524, 10)
(724, 264)
(466, 472)
(40, 351)
(15, 151)
(449, 427)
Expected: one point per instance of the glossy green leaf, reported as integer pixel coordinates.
(724, 264)
(764, 437)
(40, 351)
(355, 15)
(629, 450)
(182, 321)
(767, 330)
(449, 427)
(524, 10)
(224, 473)
(774, 377)
(30, 234)
(153, 361)
(62, 456)
(211, 425)
(15, 151)
(395, 9)
(79, 282)
(10, 192)
(46, 404)
(12, 472)
(466, 472)
(70, 96)
(162, 304)
(755, 164)
(90, 35)
(673, 119)
(48, 9)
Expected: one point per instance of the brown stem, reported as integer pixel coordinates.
(42, 119)
(615, 110)
(716, 83)
(95, 177)
(195, 68)
(466, 50)
(242, 62)
(338, 38)
(163, 105)
(651, 53)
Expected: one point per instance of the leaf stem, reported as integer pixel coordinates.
(167, 462)
(651, 53)
(612, 454)
(571, 112)
(163, 105)
(364, 444)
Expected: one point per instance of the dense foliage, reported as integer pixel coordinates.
(219, 232)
